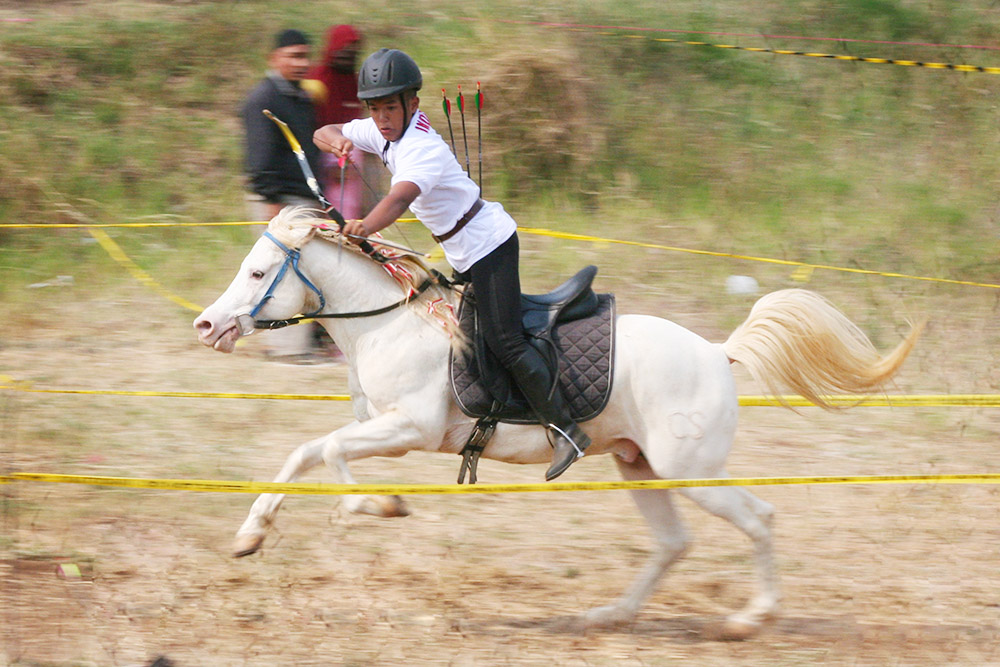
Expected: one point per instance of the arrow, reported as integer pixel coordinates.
(465, 138)
(446, 105)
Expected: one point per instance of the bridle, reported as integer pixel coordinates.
(248, 323)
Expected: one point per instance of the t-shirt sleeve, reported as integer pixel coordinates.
(422, 164)
(364, 134)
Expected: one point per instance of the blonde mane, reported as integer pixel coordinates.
(294, 226)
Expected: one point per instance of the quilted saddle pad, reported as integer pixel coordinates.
(586, 356)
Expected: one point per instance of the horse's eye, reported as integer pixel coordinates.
(257, 275)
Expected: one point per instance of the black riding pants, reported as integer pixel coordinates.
(497, 288)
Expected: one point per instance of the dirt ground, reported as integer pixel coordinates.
(871, 575)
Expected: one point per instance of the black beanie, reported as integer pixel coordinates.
(290, 37)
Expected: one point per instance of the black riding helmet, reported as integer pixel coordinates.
(388, 72)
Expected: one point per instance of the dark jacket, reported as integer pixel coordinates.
(271, 166)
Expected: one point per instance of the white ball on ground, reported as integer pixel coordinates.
(741, 285)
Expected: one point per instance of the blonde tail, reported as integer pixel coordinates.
(796, 339)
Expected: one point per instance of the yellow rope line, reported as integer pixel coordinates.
(850, 400)
(801, 266)
(119, 256)
(88, 225)
(182, 394)
(784, 262)
(442, 489)
(812, 54)
(895, 401)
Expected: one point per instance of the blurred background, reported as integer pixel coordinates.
(118, 111)
(598, 120)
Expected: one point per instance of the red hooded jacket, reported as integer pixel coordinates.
(341, 104)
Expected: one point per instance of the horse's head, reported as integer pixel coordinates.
(267, 285)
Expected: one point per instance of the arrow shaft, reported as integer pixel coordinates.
(479, 132)
(465, 138)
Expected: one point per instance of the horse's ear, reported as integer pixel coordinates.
(301, 234)
(292, 226)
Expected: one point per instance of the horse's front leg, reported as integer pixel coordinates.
(383, 506)
(390, 434)
(250, 536)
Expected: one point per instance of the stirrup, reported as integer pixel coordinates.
(552, 427)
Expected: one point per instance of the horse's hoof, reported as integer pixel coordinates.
(382, 506)
(244, 545)
(738, 629)
(606, 617)
(394, 506)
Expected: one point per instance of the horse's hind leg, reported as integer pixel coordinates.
(657, 507)
(753, 516)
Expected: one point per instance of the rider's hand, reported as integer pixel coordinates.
(355, 228)
(330, 140)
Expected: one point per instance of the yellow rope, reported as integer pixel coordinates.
(893, 401)
(829, 56)
(802, 269)
(119, 256)
(442, 489)
(785, 262)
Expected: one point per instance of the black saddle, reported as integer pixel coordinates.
(573, 300)
(573, 328)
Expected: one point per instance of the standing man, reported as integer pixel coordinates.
(274, 178)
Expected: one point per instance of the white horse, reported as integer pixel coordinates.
(672, 412)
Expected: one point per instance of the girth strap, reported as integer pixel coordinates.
(478, 439)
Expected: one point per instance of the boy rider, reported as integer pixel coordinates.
(479, 238)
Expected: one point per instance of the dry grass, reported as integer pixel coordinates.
(872, 575)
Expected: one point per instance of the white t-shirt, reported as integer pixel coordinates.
(423, 158)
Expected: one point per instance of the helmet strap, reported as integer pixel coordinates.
(406, 125)
(406, 114)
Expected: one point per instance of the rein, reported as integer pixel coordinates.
(292, 259)
(278, 324)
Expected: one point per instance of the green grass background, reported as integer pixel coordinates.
(126, 111)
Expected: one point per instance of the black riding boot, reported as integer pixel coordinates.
(535, 381)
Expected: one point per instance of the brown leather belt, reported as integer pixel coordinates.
(469, 215)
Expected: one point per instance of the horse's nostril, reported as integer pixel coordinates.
(203, 326)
